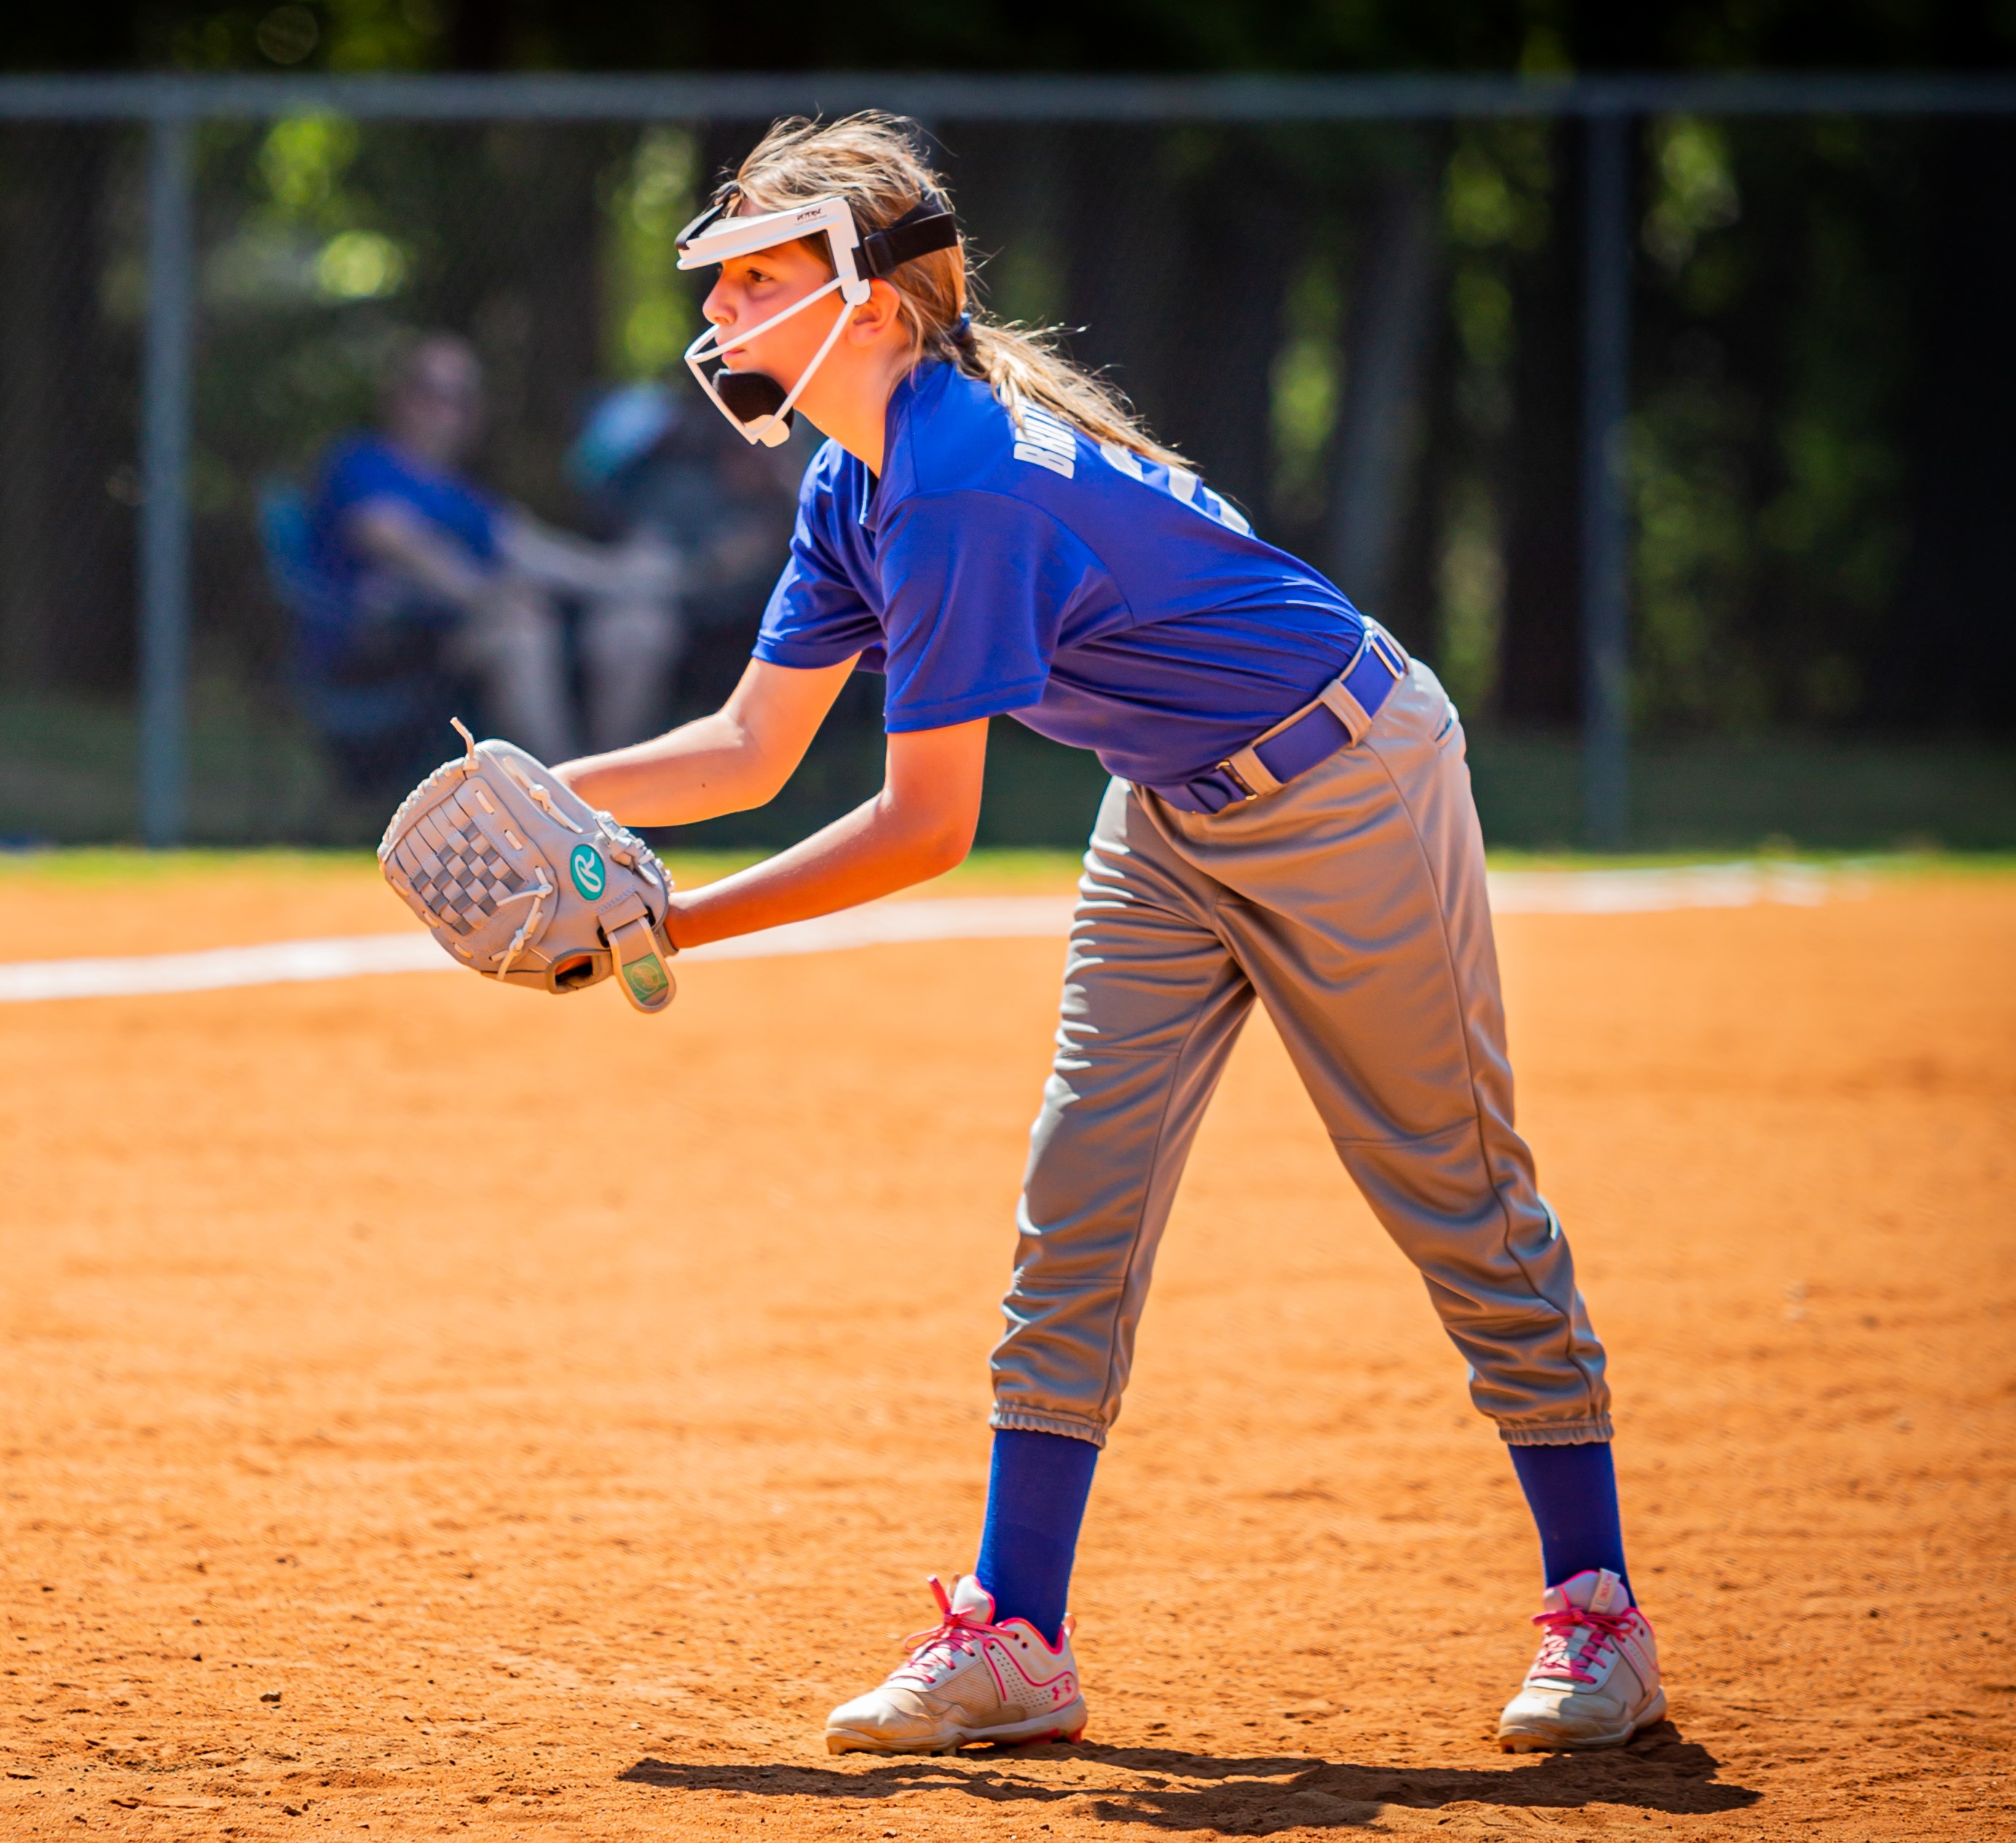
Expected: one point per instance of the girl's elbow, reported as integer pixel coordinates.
(947, 852)
(760, 788)
(948, 845)
(928, 846)
(928, 834)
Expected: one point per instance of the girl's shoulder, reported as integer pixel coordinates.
(948, 432)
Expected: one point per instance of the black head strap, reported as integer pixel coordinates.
(925, 227)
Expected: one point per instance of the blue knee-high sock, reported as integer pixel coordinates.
(1572, 1492)
(1036, 1492)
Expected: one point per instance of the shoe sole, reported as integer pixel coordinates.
(1528, 1741)
(858, 1741)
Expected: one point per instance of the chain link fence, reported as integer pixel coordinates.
(1375, 335)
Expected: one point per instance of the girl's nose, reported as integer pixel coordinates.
(713, 308)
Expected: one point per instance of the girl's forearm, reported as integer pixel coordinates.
(698, 771)
(739, 758)
(920, 825)
(874, 851)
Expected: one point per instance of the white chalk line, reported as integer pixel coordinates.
(879, 924)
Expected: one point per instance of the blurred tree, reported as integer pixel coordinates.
(1957, 661)
(66, 489)
(1390, 339)
(1538, 679)
(1178, 247)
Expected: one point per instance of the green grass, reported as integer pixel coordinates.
(997, 871)
(1773, 793)
(86, 865)
(69, 769)
(67, 766)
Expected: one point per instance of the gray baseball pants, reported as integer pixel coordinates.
(1351, 904)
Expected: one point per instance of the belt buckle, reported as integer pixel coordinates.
(1387, 651)
(1246, 790)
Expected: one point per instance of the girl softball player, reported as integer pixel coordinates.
(1290, 821)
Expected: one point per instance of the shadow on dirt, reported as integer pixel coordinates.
(1178, 1791)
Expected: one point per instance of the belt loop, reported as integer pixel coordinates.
(1337, 694)
(1347, 710)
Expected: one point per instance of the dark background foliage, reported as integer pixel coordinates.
(1823, 466)
(1287, 35)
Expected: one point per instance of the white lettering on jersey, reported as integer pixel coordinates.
(1226, 513)
(1043, 439)
(1184, 484)
(1123, 458)
(1044, 457)
(1050, 443)
(1194, 492)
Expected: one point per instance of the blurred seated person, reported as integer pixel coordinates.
(433, 575)
(656, 461)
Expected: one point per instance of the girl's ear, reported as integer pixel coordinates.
(883, 309)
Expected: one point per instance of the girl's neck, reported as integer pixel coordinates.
(853, 407)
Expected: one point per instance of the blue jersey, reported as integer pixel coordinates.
(362, 467)
(1106, 601)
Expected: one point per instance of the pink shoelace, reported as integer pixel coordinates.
(1604, 1629)
(955, 1631)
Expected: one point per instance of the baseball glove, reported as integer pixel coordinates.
(520, 879)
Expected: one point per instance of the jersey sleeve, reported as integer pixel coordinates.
(977, 587)
(816, 616)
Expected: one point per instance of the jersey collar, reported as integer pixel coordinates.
(924, 381)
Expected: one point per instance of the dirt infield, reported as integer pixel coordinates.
(557, 1487)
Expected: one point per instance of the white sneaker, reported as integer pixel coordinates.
(967, 1679)
(1596, 1682)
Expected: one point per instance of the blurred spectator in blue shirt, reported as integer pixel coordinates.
(430, 572)
(657, 459)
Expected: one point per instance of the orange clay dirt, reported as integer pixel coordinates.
(435, 1407)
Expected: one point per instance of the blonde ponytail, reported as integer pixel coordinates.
(873, 161)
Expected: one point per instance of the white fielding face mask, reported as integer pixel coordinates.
(756, 404)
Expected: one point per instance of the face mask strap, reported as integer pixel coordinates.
(928, 225)
(780, 416)
(771, 430)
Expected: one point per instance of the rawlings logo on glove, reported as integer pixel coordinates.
(521, 879)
